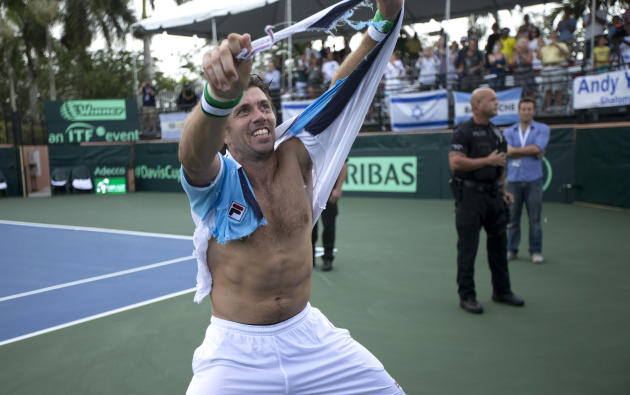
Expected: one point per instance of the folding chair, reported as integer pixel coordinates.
(81, 179)
(3, 184)
(59, 179)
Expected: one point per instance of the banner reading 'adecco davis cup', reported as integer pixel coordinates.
(81, 121)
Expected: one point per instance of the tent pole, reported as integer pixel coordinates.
(592, 27)
(447, 16)
(290, 43)
(134, 68)
(214, 31)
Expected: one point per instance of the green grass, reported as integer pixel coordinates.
(393, 286)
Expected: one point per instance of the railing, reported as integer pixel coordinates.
(15, 130)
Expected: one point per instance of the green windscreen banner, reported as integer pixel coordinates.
(9, 159)
(156, 167)
(602, 166)
(382, 174)
(81, 121)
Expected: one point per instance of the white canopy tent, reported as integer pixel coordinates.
(213, 19)
(251, 16)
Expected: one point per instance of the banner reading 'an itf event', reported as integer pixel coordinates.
(508, 107)
(418, 111)
(602, 90)
(81, 121)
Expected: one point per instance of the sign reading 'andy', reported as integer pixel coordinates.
(602, 90)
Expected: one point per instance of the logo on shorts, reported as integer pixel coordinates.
(236, 211)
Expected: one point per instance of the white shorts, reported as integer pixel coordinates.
(305, 354)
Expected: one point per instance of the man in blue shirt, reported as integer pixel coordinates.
(527, 141)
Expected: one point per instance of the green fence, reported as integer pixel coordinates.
(102, 160)
(9, 159)
(431, 151)
(157, 167)
(602, 165)
(585, 164)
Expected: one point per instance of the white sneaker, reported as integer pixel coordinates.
(537, 258)
(511, 256)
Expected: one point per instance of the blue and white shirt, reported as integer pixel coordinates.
(227, 209)
(528, 168)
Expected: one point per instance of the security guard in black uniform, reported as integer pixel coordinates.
(477, 158)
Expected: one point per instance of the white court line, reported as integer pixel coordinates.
(96, 278)
(90, 229)
(93, 317)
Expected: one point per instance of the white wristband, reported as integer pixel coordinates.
(375, 34)
(216, 108)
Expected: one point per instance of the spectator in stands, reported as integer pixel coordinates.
(315, 77)
(602, 54)
(554, 58)
(566, 26)
(301, 81)
(413, 47)
(428, 65)
(623, 44)
(523, 71)
(498, 64)
(459, 60)
(310, 51)
(508, 43)
(395, 73)
(471, 67)
(400, 44)
(462, 51)
(329, 67)
(595, 30)
(492, 39)
(441, 55)
(525, 28)
(451, 73)
(615, 26)
(187, 98)
(535, 43)
(616, 34)
(149, 110)
(273, 79)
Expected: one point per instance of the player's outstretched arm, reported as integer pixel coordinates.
(389, 10)
(204, 129)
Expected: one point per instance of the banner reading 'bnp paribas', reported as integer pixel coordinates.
(81, 121)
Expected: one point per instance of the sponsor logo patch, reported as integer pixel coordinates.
(236, 211)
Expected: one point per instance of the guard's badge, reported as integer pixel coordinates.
(236, 211)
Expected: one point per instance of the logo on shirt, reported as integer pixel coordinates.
(236, 211)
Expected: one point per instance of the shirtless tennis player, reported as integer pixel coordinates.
(264, 337)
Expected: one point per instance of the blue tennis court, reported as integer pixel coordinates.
(52, 276)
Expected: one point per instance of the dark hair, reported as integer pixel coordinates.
(256, 82)
(527, 100)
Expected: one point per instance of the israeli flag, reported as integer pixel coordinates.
(508, 107)
(418, 111)
(291, 108)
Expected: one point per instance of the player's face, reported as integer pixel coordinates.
(526, 112)
(251, 126)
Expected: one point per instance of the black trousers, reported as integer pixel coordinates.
(328, 235)
(475, 209)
